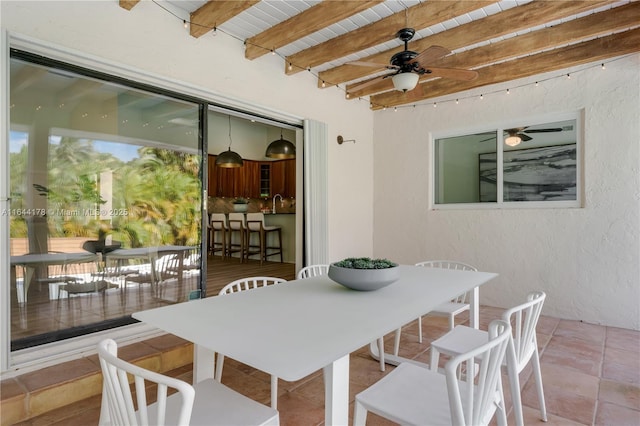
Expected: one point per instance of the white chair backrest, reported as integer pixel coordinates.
(218, 221)
(471, 403)
(237, 221)
(450, 264)
(447, 264)
(524, 319)
(249, 283)
(313, 271)
(117, 402)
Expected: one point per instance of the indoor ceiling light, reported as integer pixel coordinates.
(229, 158)
(405, 81)
(281, 148)
(513, 140)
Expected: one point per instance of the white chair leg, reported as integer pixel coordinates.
(359, 414)
(538, 376)
(396, 342)
(502, 408)
(435, 358)
(420, 329)
(274, 392)
(219, 365)
(452, 322)
(381, 353)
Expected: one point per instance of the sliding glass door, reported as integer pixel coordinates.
(105, 200)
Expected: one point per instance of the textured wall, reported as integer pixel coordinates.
(586, 259)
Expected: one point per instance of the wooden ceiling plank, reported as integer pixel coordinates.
(216, 12)
(590, 26)
(574, 55)
(128, 4)
(420, 16)
(301, 25)
(503, 23)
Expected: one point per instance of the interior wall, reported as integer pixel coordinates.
(586, 259)
(152, 44)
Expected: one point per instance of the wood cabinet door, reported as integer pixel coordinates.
(290, 178)
(278, 178)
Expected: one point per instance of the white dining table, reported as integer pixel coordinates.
(31, 261)
(293, 329)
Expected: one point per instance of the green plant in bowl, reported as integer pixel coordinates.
(363, 273)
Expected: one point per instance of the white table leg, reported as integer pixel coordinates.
(336, 392)
(203, 363)
(474, 308)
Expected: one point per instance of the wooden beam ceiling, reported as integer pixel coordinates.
(511, 20)
(573, 55)
(420, 16)
(307, 22)
(215, 13)
(590, 26)
(497, 39)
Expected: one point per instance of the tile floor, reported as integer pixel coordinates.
(591, 376)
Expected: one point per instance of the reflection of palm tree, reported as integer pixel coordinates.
(162, 199)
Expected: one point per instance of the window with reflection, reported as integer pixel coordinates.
(509, 166)
(106, 196)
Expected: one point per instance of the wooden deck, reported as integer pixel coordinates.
(42, 319)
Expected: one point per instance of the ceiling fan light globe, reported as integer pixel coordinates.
(513, 140)
(405, 81)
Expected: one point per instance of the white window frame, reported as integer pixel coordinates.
(499, 128)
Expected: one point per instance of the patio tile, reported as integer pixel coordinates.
(577, 354)
(612, 414)
(624, 394)
(621, 365)
(581, 330)
(621, 338)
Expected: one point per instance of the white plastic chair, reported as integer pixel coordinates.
(415, 395)
(523, 347)
(312, 271)
(208, 402)
(451, 308)
(241, 285)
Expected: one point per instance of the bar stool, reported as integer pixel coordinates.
(218, 226)
(255, 224)
(237, 227)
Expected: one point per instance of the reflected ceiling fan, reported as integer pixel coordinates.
(409, 66)
(516, 135)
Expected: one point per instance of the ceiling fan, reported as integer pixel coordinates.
(409, 66)
(516, 135)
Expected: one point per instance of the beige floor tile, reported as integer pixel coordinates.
(612, 414)
(624, 394)
(621, 338)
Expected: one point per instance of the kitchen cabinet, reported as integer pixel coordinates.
(245, 181)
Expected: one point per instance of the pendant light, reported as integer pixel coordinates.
(281, 148)
(229, 158)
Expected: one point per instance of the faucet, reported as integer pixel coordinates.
(274, 202)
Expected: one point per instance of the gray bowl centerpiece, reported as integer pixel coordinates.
(363, 273)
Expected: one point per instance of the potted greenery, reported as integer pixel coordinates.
(363, 273)
(240, 204)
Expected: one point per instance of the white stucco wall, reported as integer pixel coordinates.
(586, 259)
(148, 40)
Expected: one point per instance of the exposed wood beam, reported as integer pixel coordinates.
(577, 54)
(307, 22)
(503, 23)
(420, 16)
(590, 26)
(128, 4)
(215, 13)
